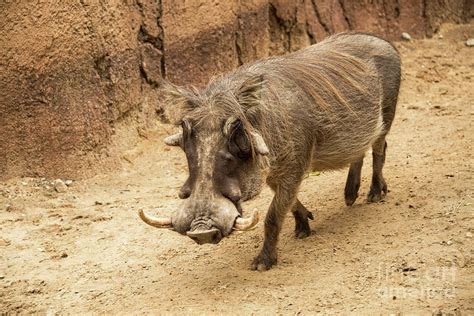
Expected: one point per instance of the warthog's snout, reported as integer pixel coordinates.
(209, 236)
(204, 229)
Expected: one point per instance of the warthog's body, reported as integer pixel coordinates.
(319, 108)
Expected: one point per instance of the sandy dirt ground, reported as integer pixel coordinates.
(86, 250)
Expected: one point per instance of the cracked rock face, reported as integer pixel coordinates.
(73, 73)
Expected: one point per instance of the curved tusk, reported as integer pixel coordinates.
(246, 223)
(160, 222)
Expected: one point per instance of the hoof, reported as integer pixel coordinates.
(351, 192)
(263, 263)
(374, 197)
(377, 195)
(350, 200)
(302, 229)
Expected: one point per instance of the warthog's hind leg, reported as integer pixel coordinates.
(378, 188)
(301, 215)
(353, 182)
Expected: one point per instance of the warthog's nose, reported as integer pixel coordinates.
(209, 236)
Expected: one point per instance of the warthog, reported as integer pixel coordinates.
(320, 108)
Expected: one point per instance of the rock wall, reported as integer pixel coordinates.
(74, 72)
(294, 24)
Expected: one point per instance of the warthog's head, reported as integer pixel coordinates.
(222, 149)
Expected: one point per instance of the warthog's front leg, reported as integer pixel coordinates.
(283, 201)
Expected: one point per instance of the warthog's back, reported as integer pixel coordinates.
(372, 111)
(337, 96)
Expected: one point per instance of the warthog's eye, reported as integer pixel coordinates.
(189, 148)
(239, 144)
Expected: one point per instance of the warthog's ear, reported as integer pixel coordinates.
(238, 142)
(177, 101)
(241, 141)
(249, 97)
(249, 92)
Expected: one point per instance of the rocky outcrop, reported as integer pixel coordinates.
(73, 72)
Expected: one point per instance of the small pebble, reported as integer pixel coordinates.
(437, 313)
(449, 242)
(60, 186)
(68, 182)
(470, 42)
(469, 235)
(406, 36)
